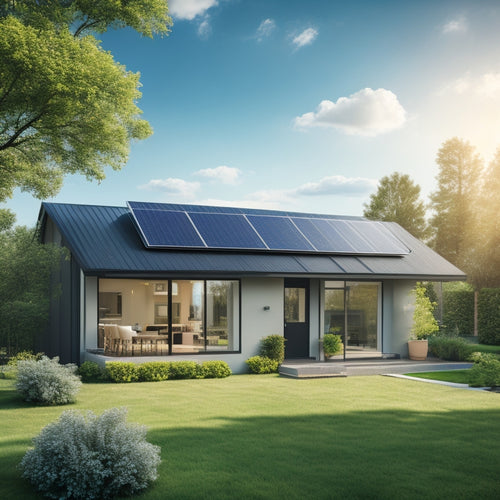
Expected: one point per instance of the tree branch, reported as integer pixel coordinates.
(12, 141)
(85, 25)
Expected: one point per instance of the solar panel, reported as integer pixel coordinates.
(189, 226)
(323, 236)
(380, 238)
(227, 231)
(160, 228)
(280, 233)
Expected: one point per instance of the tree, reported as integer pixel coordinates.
(25, 288)
(455, 201)
(398, 200)
(484, 248)
(65, 105)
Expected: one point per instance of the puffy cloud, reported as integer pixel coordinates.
(266, 27)
(367, 112)
(189, 9)
(458, 25)
(338, 185)
(226, 175)
(173, 186)
(305, 38)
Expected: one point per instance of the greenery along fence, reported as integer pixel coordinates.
(458, 312)
(489, 316)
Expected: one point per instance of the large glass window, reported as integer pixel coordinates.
(191, 316)
(355, 306)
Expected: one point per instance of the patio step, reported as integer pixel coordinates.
(316, 370)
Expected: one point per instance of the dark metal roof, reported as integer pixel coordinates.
(104, 241)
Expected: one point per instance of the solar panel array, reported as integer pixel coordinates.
(190, 227)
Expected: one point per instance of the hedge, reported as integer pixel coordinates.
(489, 316)
(154, 371)
(458, 312)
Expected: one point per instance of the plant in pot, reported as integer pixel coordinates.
(332, 344)
(424, 325)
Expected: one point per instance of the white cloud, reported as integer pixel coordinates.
(338, 185)
(189, 9)
(265, 29)
(367, 112)
(305, 38)
(204, 28)
(173, 186)
(224, 174)
(458, 25)
(280, 199)
(486, 85)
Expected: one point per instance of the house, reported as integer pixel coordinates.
(166, 281)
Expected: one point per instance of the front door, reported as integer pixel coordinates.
(296, 318)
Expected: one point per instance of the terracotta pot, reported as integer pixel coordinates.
(417, 349)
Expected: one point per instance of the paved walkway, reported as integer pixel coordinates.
(311, 369)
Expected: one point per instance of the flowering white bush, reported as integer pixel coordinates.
(85, 456)
(46, 381)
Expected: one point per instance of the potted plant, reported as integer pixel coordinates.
(424, 325)
(332, 345)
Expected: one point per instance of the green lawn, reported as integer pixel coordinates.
(456, 376)
(266, 437)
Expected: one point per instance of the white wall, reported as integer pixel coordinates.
(256, 322)
(316, 307)
(88, 336)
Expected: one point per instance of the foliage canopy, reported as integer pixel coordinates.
(66, 106)
(398, 200)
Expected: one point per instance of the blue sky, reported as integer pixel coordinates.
(300, 105)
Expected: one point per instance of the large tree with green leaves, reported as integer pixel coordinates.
(65, 105)
(455, 201)
(398, 200)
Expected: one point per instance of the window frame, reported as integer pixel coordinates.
(169, 295)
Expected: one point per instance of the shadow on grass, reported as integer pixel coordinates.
(393, 454)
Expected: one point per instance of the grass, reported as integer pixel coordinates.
(456, 376)
(266, 437)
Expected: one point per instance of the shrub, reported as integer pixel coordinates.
(273, 347)
(424, 323)
(332, 344)
(184, 370)
(8, 372)
(215, 369)
(458, 311)
(485, 372)
(24, 356)
(262, 364)
(90, 371)
(154, 371)
(85, 456)
(489, 316)
(119, 371)
(451, 348)
(47, 382)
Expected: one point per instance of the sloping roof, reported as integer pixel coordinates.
(105, 242)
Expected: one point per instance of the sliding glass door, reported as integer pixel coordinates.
(352, 310)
